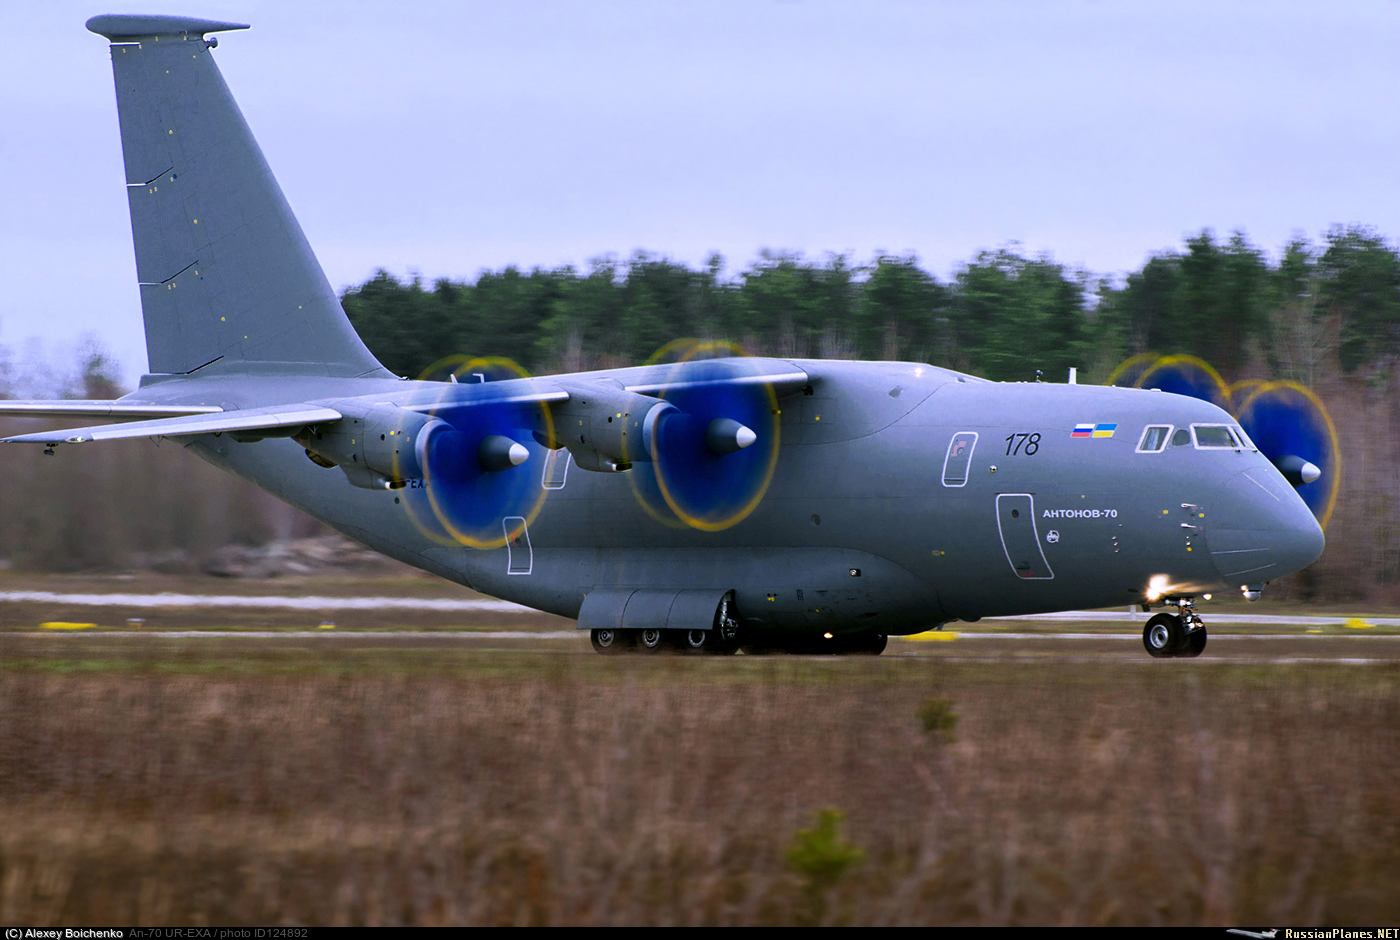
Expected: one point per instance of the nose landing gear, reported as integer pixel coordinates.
(1181, 634)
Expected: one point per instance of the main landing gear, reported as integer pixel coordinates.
(721, 639)
(722, 642)
(653, 640)
(1175, 634)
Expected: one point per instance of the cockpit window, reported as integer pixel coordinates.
(1215, 435)
(959, 456)
(1154, 438)
(1181, 438)
(1244, 438)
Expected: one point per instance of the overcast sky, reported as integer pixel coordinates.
(447, 137)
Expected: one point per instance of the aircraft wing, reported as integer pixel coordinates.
(250, 419)
(113, 410)
(784, 377)
(784, 381)
(138, 420)
(458, 396)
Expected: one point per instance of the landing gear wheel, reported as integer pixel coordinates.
(711, 642)
(606, 641)
(876, 644)
(1163, 635)
(1195, 643)
(651, 640)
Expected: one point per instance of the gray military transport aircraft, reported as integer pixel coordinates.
(703, 505)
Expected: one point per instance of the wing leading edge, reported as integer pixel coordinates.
(112, 410)
(251, 419)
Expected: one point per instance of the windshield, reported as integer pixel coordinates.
(1215, 435)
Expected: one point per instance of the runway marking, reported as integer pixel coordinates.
(297, 603)
(579, 634)
(1211, 617)
(326, 635)
(1138, 636)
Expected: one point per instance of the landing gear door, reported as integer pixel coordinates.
(1019, 538)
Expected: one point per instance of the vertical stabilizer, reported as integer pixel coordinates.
(227, 277)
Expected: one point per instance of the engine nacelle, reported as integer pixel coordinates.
(606, 428)
(378, 448)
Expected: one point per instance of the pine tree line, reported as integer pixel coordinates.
(1334, 303)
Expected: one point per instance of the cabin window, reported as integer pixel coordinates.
(1154, 438)
(959, 457)
(1215, 436)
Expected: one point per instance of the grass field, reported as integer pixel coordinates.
(239, 782)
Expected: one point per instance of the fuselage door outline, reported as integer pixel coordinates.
(520, 554)
(1019, 538)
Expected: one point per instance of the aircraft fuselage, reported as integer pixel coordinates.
(903, 496)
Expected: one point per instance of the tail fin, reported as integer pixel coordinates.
(226, 274)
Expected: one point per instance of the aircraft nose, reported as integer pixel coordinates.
(1259, 529)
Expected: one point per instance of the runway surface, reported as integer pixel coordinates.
(486, 626)
(489, 605)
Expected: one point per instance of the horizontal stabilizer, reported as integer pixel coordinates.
(251, 419)
(116, 410)
(129, 28)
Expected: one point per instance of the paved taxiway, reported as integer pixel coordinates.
(1234, 636)
(488, 605)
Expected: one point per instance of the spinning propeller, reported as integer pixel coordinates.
(713, 447)
(697, 439)
(1287, 422)
(473, 458)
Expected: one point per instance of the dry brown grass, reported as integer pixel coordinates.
(519, 788)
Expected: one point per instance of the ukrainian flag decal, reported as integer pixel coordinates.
(1093, 430)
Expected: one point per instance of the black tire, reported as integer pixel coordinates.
(1195, 643)
(704, 642)
(650, 640)
(1162, 635)
(607, 642)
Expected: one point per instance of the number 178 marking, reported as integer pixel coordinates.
(1022, 443)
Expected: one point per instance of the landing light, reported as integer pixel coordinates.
(1205, 597)
(827, 635)
(1157, 586)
